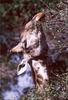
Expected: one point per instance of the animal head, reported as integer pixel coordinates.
(31, 37)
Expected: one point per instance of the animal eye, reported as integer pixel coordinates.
(24, 44)
(38, 68)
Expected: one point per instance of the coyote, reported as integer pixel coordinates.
(33, 45)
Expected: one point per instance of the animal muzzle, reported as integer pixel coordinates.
(17, 48)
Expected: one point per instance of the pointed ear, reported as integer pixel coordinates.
(17, 48)
(38, 16)
(29, 25)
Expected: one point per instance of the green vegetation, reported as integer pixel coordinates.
(16, 13)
